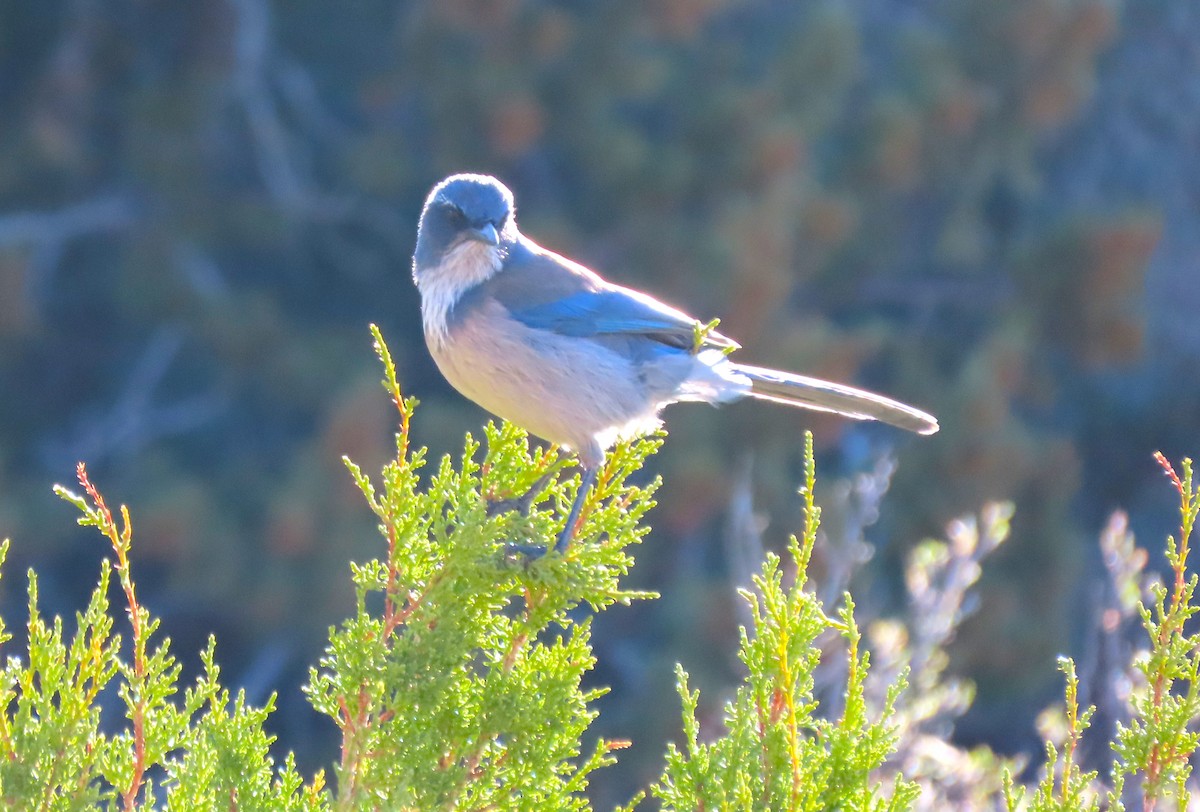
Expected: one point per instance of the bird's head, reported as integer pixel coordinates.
(467, 218)
(466, 230)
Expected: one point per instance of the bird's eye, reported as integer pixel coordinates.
(455, 214)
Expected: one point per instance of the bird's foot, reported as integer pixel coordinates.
(526, 554)
(523, 502)
(521, 555)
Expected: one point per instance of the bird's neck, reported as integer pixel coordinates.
(462, 268)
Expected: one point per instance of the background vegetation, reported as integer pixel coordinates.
(986, 209)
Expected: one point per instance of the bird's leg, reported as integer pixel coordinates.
(568, 531)
(528, 552)
(523, 502)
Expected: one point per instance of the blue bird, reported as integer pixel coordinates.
(549, 345)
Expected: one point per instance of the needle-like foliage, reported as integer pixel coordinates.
(777, 751)
(457, 683)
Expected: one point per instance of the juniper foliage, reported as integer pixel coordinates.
(457, 683)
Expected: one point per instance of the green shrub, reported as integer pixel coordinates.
(777, 752)
(457, 683)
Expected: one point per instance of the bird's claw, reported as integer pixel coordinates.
(526, 554)
(522, 555)
(521, 503)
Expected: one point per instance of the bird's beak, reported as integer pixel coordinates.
(486, 233)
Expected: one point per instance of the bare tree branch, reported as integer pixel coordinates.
(46, 235)
(275, 149)
(743, 537)
(108, 213)
(134, 421)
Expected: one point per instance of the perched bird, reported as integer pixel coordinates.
(549, 345)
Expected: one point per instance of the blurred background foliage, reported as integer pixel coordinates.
(986, 209)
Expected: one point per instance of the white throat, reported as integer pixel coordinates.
(465, 265)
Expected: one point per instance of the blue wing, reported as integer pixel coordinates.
(546, 291)
(617, 311)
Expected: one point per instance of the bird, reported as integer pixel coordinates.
(551, 346)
